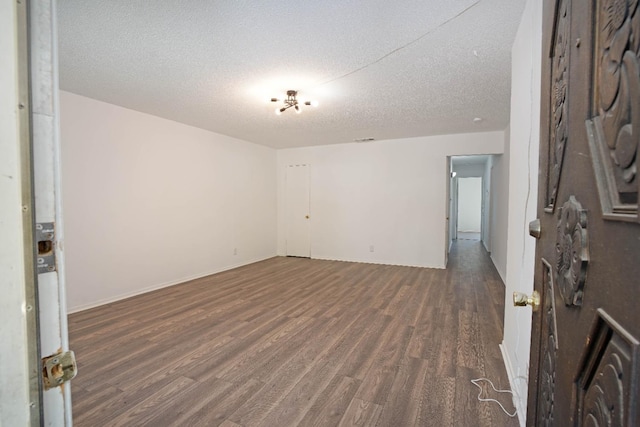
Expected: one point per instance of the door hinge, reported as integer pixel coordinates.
(58, 369)
(45, 239)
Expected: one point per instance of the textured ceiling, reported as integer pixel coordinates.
(381, 69)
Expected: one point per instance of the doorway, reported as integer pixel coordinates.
(469, 219)
(469, 199)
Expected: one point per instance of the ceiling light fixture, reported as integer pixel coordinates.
(292, 102)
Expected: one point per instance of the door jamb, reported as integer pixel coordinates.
(28, 212)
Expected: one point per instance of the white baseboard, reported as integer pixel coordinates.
(160, 286)
(376, 262)
(519, 402)
(502, 274)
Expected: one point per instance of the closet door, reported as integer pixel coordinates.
(297, 211)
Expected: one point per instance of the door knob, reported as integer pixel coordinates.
(523, 300)
(534, 228)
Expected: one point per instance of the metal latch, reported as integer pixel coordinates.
(46, 258)
(58, 369)
(534, 228)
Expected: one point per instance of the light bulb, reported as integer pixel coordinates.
(278, 112)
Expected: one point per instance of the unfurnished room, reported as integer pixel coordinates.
(372, 213)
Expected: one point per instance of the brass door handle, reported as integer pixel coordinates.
(523, 300)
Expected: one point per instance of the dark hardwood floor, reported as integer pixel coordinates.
(291, 341)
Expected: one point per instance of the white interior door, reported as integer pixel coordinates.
(297, 208)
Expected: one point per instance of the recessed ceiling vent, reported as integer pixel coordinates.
(364, 139)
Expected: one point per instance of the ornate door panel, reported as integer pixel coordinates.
(585, 351)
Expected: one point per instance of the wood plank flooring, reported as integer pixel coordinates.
(299, 342)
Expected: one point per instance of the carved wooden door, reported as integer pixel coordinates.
(585, 353)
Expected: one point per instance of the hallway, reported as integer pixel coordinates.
(290, 341)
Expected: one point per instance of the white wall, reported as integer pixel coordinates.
(469, 204)
(469, 170)
(389, 194)
(149, 202)
(523, 189)
(486, 205)
(14, 375)
(500, 209)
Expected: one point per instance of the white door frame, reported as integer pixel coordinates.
(20, 402)
(45, 122)
(448, 240)
(33, 322)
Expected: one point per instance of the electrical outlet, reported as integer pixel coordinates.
(371, 248)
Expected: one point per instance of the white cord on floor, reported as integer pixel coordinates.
(475, 383)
